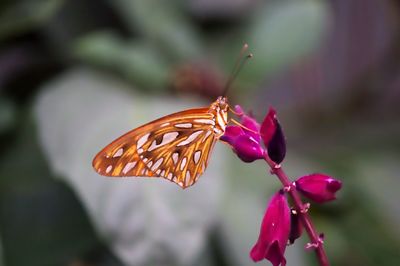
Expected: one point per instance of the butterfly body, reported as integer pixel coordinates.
(175, 147)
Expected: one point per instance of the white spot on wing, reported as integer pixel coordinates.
(157, 164)
(187, 177)
(197, 156)
(192, 137)
(169, 176)
(128, 167)
(165, 124)
(118, 153)
(142, 140)
(153, 146)
(149, 164)
(183, 163)
(108, 169)
(205, 121)
(163, 173)
(167, 138)
(206, 136)
(175, 157)
(184, 125)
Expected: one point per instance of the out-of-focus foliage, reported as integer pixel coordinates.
(135, 61)
(76, 74)
(7, 115)
(159, 216)
(283, 33)
(17, 17)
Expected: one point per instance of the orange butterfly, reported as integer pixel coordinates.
(176, 147)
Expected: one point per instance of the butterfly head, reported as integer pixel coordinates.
(222, 104)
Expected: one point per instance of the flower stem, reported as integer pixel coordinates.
(301, 210)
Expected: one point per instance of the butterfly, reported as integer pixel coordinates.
(175, 147)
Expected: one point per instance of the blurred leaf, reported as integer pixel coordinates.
(283, 32)
(1, 253)
(38, 214)
(164, 24)
(20, 16)
(221, 10)
(137, 62)
(381, 173)
(7, 115)
(146, 221)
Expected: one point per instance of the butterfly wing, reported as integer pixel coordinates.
(175, 147)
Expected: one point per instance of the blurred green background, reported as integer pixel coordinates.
(74, 75)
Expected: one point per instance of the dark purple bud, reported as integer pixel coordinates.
(274, 233)
(277, 146)
(296, 228)
(318, 187)
(268, 127)
(248, 149)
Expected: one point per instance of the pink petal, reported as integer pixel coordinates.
(239, 110)
(231, 134)
(248, 149)
(274, 233)
(268, 126)
(253, 125)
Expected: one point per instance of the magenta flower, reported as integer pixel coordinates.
(245, 141)
(274, 233)
(280, 225)
(318, 187)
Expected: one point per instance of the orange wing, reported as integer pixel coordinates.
(175, 147)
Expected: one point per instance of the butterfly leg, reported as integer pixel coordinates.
(242, 126)
(234, 112)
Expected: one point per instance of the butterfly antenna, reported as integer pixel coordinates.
(238, 66)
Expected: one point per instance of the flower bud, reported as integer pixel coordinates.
(318, 187)
(296, 228)
(277, 145)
